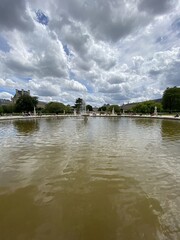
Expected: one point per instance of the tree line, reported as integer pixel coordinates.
(170, 103)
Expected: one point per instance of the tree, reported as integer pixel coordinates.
(147, 107)
(1, 110)
(9, 108)
(68, 109)
(104, 108)
(79, 105)
(117, 108)
(55, 107)
(26, 103)
(171, 99)
(89, 108)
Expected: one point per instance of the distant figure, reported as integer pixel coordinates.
(177, 115)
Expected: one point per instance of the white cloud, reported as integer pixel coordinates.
(7, 83)
(5, 95)
(36, 54)
(108, 51)
(44, 88)
(2, 82)
(73, 85)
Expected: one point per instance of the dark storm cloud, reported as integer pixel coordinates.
(116, 79)
(71, 34)
(13, 15)
(47, 91)
(104, 64)
(154, 73)
(84, 65)
(110, 89)
(118, 97)
(77, 40)
(18, 67)
(106, 20)
(116, 19)
(44, 68)
(156, 7)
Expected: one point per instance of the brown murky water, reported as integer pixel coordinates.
(105, 178)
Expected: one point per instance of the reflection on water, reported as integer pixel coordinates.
(101, 210)
(28, 126)
(105, 178)
(170, 129)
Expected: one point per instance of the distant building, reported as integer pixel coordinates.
(4, 102)
(19, 93)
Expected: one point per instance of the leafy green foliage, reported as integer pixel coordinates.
(26, 103)
(89, 108)
(56, 108)
(117, 108)
(79, 105)
(9, 108)
(171, 99)
(104, 108)
(68, 109)
(1, 110)
(147, 107)
(108, 108)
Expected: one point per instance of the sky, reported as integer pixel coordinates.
(104, 51)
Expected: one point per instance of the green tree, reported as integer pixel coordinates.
(68, 109)
(171, 99)
(117, 108)
(55, 107)
(147, 107)
(104, 108)
(9, 108)
(79, 105)
(1, 110)
(26, 103)
(89, 108)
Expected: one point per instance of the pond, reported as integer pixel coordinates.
(97, 178)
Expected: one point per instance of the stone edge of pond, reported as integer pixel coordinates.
(2, 118)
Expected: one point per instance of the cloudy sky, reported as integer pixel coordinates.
(104, 51)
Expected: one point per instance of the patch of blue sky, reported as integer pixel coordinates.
(162, 39)
(66, 49)
(176, 25)
(7, 89)
(72, 75)
(21, 79)
(89, 89)
(4, 46)
(178, 35)
(42, 18)
(25, 79)
(84, 83)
